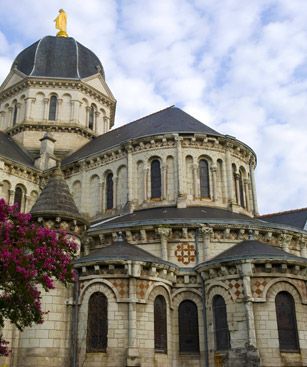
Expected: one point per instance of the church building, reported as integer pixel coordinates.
(176, 266)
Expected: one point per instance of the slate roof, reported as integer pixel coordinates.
(296, 218)
(58, 57)
(174, 215)
(11, 150)
(56, 200)
(120, 250)
(252, 249)
(169, 120)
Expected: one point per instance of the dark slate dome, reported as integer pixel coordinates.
(58, 57)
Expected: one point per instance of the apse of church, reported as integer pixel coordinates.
(176, 267)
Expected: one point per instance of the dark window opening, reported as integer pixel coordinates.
(109, 191)
(241, 190)
(160, 324)
(52, 108)
(91, 118)
(188, 328)
(286, 322)
(97, 324)
(222, 339)
(18, 197)
(204, 179)
(15, 115)
(155, 179)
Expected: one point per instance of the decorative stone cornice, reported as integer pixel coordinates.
(46, 126)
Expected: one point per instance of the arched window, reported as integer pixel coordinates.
(222, 340)
(15, 110)
(155, 179)
(91, 117)
(241, 189)
(188, 328)
(160, 324)
(18, 197)
(97, 323)
(52, 108)
(286, 322)
(109, 191)
(204, 178)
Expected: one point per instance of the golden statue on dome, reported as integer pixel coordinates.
(61, 24)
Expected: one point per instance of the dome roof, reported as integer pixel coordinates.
(58, 57)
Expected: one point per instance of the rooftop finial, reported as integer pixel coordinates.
(61, 24)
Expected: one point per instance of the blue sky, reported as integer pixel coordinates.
(239, 66)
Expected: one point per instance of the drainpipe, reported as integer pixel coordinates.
(74, 328)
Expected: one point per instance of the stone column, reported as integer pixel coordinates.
(182, 190)
(246, 190)
(95, 127)
(75, 109)
(237, 188)
(27, 203)
(28, 108)
(229, 174)
(206, 232)
(115, 187)
(163, 179)
(164, 234)
(129, 150)
(146, 184)
(132, 353)
(106, 122)
(103, 196)
(18, 105)
(195, 181)
(254, 194)
(285, 241)
(2, 120)
(59, 109)
(11, 114)
(214, 183)
(303, 246)
(246, 272)
(87, 109)
(11, 196)
(46, 109)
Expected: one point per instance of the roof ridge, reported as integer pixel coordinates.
(283, 212)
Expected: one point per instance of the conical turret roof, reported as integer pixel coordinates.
(56, 199)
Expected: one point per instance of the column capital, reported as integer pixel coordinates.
(164, 232)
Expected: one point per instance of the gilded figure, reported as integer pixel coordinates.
(61, 24)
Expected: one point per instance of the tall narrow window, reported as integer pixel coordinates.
(91, 117)
(97, 323)
(188, 328)
(204, 179)
(241, 189)
(15, 110)
(109, 191)
(160, 324)
(52, 108)
(286, 322)
(18, 197)
(155, 179)
(222, 340)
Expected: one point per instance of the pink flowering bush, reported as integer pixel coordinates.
(31, 258)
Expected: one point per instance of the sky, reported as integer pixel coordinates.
(239, 66)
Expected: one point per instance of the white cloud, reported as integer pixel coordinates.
(239, 66)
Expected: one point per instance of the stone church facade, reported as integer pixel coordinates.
(176, 267)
